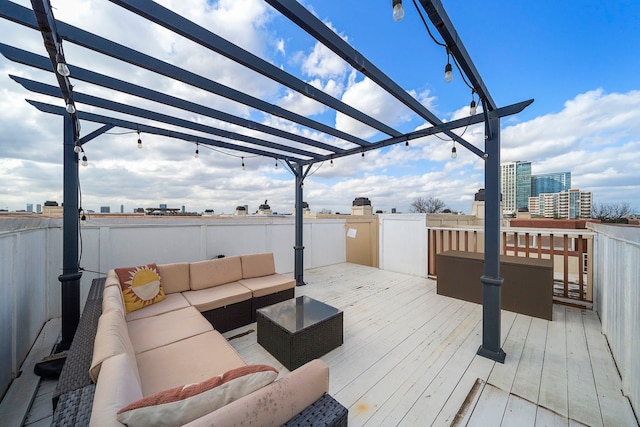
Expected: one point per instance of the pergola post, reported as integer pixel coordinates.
(491, 280)
(299, 247)
(70, 277)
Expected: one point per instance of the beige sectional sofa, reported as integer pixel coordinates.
(166, 364)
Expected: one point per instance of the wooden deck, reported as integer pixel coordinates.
(409, 358)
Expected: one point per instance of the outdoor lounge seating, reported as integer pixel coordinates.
(167, 360)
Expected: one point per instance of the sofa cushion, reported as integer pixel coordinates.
(170, 303)
(152, 332)
(118, 386)
(112, 299)
(111, 279)
(276, 403)
(256, 265)
(218, 296)
(141, 286)
(183, 404)
(214, 272)
(112, 338)
(266, 285)
(175, 277)
(191, 360)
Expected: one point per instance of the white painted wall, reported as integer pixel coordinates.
(26, 284)
(617, 299)
(403, 243)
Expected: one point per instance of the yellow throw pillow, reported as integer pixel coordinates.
(141, 286)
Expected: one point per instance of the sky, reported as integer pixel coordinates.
(578, 60)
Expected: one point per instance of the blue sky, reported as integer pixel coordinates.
(578, 60)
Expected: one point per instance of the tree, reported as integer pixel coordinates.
(428, 205)
(612, 212)
(324, 211)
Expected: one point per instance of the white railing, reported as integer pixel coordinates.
(617, 299)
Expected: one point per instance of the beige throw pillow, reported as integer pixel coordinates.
(183, 404)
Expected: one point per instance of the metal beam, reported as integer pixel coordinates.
(159, 117)
(99, 44)
(192, 31)
(438, 16)
(96, 118)
(96, 133)
(79, 73)
(298, 14)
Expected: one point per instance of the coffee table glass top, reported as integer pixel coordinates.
(298, 313)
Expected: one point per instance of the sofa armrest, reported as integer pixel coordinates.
(275, 404)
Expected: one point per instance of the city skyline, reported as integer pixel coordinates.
(582, 119)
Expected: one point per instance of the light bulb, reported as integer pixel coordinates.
(454, 154)
(398, 10)
(63, 70)
(331, 163)
(363, 155)
(83, 219)
(243, 167)
(71, 109)
(448, 73)
(77, 149)
(276, 164)
(197, 154)
(85, 162)
(473, 107)
(406, 146)
(139, 144)
(61, 66)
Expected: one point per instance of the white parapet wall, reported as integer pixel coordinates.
(617, 299)
(403, 243)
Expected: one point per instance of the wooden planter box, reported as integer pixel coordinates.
(527, 288)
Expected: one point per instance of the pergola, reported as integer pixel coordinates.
(298, 152)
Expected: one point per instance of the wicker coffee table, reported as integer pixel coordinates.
(299, 330)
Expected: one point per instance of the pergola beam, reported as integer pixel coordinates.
(295, 12)
(107, 47)
(194, 32)
(125, 124)
(82, 74)
(95, 101)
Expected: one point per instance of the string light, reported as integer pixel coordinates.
(243, 166)
(139, 141)
(77, 148)
(331, 163)
(71, 109)
(197, 153)
(61, 66)
(406, 146)
(448, 72)
(276, 164)
(398, 10)
(85, 162)
(454, 153)
(363, 155)
(473, 107)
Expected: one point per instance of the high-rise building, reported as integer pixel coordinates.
(105, 209)
(550, 183)
(29, 207)
(572, 204)
(515, 184)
